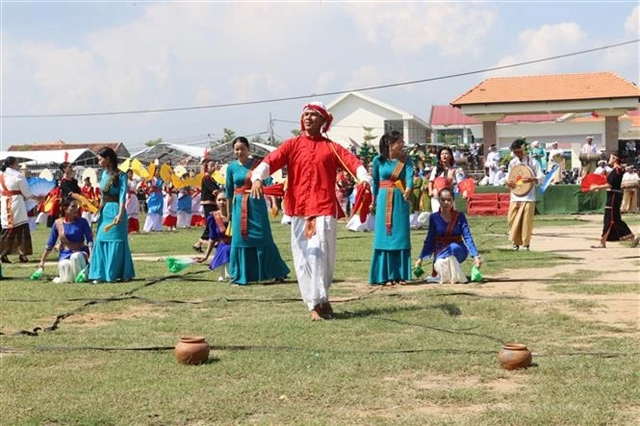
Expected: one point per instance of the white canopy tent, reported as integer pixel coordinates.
(19, 155)
(169, 152)
(81, 157)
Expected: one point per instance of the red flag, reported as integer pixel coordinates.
(363, 201)
(66, 156)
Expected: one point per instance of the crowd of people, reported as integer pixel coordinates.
(398, 190)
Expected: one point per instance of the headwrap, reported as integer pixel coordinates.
(319, 108)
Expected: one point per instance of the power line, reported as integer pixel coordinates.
(333, 93)
(332, 126)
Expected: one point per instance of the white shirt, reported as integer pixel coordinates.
(14, 181)
(589, 149)
(537, 172)
(554, 153)
(493, 158)
(630, 177)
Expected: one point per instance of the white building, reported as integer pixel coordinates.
(354, 111)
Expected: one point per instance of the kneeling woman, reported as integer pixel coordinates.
(76, 242)
(449, 241)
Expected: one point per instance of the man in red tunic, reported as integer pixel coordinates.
(312, 161)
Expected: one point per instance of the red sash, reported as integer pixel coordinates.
(7, 193)
(446, 239)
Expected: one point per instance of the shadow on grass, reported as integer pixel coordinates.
(449, 308)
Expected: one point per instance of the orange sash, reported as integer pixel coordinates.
(244, 206)
(221, 226)
(390, 186)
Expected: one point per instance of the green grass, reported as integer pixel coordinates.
(426, 356)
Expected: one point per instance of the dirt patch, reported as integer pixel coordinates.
(98, 319)
(617, 264)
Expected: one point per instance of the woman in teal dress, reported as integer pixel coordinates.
(392, 186)
(111, 257)
(254, 255)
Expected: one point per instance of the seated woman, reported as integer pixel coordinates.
(449, 241)
(76, 242)
(217, 225)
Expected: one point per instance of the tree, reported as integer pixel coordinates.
(257, 139)
(229, 135)
(296, 132)
(153, 142)
(368, 137)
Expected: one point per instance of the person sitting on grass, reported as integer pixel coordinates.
(76, 242)
(449, 240)
(217, 225)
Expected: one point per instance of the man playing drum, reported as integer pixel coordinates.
(524, 174)
(589, 156)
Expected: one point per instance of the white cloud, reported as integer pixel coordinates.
(325, 82)
(632, 24)
(547, 41)
(454, 27)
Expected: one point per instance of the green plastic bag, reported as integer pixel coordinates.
(37, 274)
(476, 275)
(176, 265)
(418, 271)
(82, 275)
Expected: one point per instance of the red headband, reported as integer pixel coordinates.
(320, 109)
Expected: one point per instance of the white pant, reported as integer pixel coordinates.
(153, 222)
(184, 219)
(70, 268)
(87, 216)
(314, 259)
(449, 271)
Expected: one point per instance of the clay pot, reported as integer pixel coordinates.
(513, 356)
(191, 350)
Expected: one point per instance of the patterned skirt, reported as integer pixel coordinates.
(16, 240)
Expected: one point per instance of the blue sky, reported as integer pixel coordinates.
(97, 57)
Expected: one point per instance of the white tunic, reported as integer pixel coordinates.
(14, 181)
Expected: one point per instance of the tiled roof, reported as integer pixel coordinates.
(559, 87)
(446, 115)
(62, 145)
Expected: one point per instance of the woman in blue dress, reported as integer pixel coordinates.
(392, 185)
(76, 241)
(111, 258)
(450, 242)
(155, 203)
(254, 255)
(217, 225)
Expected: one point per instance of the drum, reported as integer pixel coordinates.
(631, 184)
(590, 158)
(516, 174)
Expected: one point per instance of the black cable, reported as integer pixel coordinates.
(4, 349)
(333, 93)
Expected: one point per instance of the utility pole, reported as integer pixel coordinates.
(271, 138)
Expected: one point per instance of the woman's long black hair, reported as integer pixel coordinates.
(441, 167)
(9, 161)
(385, 140)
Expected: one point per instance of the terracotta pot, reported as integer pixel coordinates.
(191, 350)
(513, 356)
